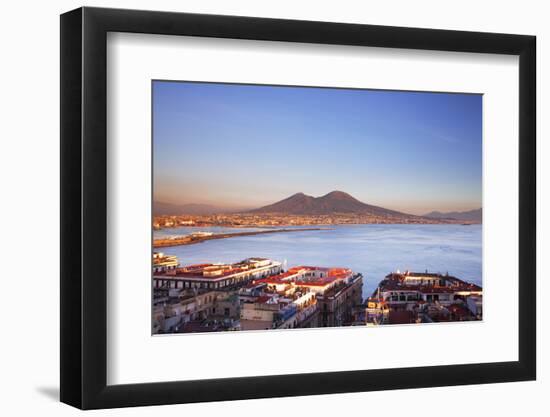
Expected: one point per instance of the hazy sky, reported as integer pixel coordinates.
(247, 146)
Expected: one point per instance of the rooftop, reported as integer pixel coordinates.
(213, 271)
(444, 283)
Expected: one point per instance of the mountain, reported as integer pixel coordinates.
(471, 215)
(169, 209)
(333, 202)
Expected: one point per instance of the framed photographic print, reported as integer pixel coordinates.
(258, 207)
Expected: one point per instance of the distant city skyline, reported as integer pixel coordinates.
(246, 146)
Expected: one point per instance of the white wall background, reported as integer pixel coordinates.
(29, 168)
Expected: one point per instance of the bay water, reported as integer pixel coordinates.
(374, 250)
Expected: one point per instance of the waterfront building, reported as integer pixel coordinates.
(336, 303)
(403, 289)
(425, 296)
(216, 276)
(163, 263)
(253, 294)
(336, 291)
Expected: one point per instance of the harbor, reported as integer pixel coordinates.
(198, 237)
(259, 293)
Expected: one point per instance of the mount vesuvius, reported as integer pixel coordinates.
(331, 203)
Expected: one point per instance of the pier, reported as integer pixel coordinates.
(192, 239)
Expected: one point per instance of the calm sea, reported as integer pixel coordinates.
(373, 250)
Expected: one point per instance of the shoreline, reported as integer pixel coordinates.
(191, 240)
(322, 226)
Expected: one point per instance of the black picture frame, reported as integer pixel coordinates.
(84, 207)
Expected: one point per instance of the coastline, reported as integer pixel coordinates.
(191, 240)
(312, 226)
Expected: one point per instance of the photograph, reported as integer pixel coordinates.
(291, 207)
(236, 184)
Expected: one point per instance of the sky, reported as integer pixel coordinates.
(245, 146)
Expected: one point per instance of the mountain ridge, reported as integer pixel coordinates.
(161, 208)
(468, 215)
(330, 203)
